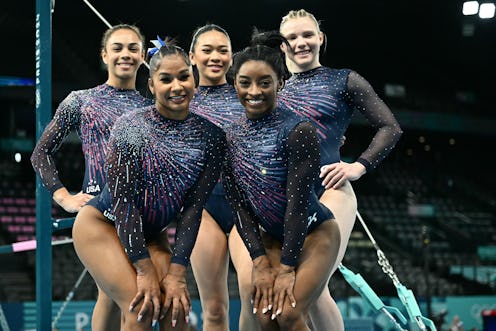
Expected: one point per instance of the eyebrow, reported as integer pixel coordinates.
(248, 77)
(169, 74)
(212, 46)
(121, 44)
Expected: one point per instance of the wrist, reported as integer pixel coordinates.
(286, 269)
(261, 262)
(60, 195)
(143, 266)
(364, 165)
(177, 270)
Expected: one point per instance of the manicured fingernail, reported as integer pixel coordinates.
(174, 323)
(254, 310)
(270, 307)
(187, 319)
(293, 304)
(140, 317)
(131, 308)
(273, 316)
(264, 310)
(154, 322)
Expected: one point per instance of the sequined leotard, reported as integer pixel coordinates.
(160, 171)
(272, 166)
(91, 113)
(328, 97)
(220, 105)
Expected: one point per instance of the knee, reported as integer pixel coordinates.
(265, 321)
(215, 311)
(105, 300)
(290, 318)
(129, 321)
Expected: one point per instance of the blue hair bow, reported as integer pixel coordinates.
(158, 44)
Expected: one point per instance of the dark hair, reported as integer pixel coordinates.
(264, 46)
(169, 48)
(206, 28)
(194, 39)
(110, 31)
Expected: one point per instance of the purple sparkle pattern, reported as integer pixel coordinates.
(257, 155)
(329, 97)
(219, 104)
(272, 165)
(90, 113)
(162, 171)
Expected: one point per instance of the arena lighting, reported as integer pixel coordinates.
(470, 8)
(486, 10)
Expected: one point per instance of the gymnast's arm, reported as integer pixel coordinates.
(246, 221)
(303, 166)
(248, 228)
(363, 97)
(188, 223)
(67, 118)
(125, 180)
(189, 218)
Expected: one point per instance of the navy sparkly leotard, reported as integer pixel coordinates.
(91, 113)
(220, 105)
(272, 166)
(160, 171)
(328, 97)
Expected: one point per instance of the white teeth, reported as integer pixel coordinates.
(254, 102)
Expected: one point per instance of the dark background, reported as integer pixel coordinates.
(448, 77)
(418, 44)
(444, 157)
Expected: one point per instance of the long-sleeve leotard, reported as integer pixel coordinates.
(91, 114)
(328, 97)
(272, 166)
(220, 105)
(160, 171)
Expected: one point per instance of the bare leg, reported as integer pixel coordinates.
(100, 250)
(210, 264)
(325, 314)
(106, 314)
(312, 272)
(243, 264)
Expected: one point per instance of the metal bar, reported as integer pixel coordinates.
(43, 56)
(100, 16)
(29, 245)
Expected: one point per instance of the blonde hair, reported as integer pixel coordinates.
(297, 14)
(302, 13)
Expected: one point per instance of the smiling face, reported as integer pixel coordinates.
(256, 84)
(212, 56)
(305, 40)
(172, 85)
(123, 54)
